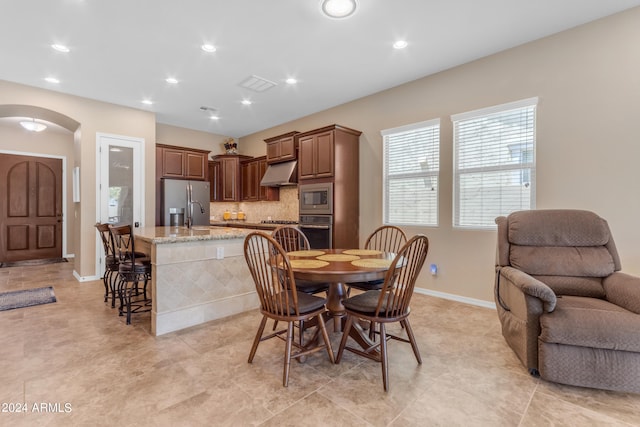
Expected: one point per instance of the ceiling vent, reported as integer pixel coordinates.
(257, 84)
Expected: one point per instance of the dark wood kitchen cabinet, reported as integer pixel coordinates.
(322, 151)
(228, 177)
(281, 148)
(251, 174)
(249, 180)
(178, 163)
(331, 155)
(316, 156)
(181, 162)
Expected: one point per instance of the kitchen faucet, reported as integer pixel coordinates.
(190, 203)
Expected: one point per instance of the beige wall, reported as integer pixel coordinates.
(93, 117)
(588, 139)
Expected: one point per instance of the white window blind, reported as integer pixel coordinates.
(494, 163)
(411, 162)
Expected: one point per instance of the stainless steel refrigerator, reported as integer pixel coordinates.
(175, 194)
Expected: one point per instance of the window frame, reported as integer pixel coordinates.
(457, 172)
(386, 178)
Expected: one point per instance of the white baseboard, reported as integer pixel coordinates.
(84, 278)
(465, 300)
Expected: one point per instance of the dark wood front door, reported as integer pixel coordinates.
(30, 208)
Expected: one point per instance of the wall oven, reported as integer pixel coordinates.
(318, 229)
(316, 199)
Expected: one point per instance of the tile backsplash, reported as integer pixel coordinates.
(285, 209)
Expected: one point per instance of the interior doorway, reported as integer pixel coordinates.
(31, 207)
(121, 192)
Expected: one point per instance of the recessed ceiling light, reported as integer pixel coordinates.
(214, 117)
(60, 48)
(208, 47)
(338, 9)
(171, 80)
(400, 44)
(147, 102)
(291, 81)
(52, 80)
(246, 102)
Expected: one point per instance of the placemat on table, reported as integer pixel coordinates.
(362, 252)
(305, 253)
(372, 262)
(338, 257)
(308, 263)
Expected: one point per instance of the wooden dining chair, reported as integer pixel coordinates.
(387, 238)
(280, 300)
(292, 239)
(134, 273)
(387, 305)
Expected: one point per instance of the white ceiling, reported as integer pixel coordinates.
(123, 50)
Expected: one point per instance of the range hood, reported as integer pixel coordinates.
(280, 174)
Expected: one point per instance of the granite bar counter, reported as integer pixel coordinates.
(198, 275)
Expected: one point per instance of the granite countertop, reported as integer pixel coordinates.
(160, 235)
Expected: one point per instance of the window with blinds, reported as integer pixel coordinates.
(411, 163)
(494, 163)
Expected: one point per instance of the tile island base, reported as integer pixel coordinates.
(198, 275)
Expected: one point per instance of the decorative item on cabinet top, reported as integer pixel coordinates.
(230, 146)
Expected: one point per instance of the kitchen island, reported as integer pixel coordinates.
(198, 275)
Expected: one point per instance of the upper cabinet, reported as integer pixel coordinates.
(281, 148)
(249, 180)
(322, 151)
(251, 174)
(180, 162)
(228, 179)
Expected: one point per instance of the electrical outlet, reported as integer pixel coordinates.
(219, 252)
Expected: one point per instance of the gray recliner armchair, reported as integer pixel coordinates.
(566, 310)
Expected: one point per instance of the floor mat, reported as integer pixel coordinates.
(32, 262)
(26, 298)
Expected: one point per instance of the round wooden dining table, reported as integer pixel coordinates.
(338, 267)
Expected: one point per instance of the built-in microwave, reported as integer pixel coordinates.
(316, 199)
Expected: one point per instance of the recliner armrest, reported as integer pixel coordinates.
(530, 286)
(623, 290)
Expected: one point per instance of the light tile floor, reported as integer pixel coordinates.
(78, 352)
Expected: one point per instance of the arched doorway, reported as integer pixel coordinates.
(35, 184)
